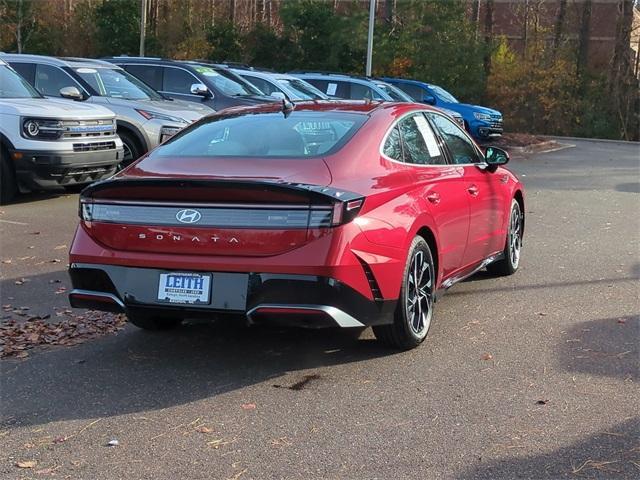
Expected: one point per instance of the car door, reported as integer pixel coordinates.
(176, 83)
(437, 186)
(480, 186)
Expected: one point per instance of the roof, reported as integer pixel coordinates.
(346, 106)
(56, 61)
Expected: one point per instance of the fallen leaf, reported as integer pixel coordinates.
(542, 402)
(203, 429)
(113, 443)
(486, 356)
(56, 260)
(59, 439)
(622, 321)
(60, 247)
(26, 464)
(248, 406)
(6, 261)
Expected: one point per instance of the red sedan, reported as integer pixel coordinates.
(320, 214)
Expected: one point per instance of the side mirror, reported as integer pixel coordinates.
(278, 96)
(200, 89)
(495, 157)
(71, 93)
(429, 99)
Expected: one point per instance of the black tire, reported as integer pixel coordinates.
(152, 322)
(132, 149)
(408, 330)
(8, 183)
(508, 265)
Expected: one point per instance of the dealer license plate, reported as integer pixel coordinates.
(186, 288)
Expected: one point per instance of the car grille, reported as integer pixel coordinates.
(92, 147)
(496, 121)
(87, 128)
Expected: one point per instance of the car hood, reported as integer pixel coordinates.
(54, 108)
(475, 108)
(187, 110)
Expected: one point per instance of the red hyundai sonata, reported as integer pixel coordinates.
(320, 214)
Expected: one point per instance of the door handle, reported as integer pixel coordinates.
(473, 190)
(434, 197)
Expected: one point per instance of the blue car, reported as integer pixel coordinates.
(481, 122)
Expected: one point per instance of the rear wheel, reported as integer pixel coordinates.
(414, 311)
(510, 262)
(153, 322)
(8, 184)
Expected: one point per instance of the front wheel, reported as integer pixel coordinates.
(8, 184)
(510, 262)
(414, 311)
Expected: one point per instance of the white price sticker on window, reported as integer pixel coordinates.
(427, 134)
(331, 88)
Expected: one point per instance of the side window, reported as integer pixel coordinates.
(319, 84)
(361, 92)
(419, 142)
(49, 80)
(413, 141)
(393, 146)
(26, 70)
(413, 91)
(339, 89)
(262, 85)
(462, 149)
(149, 74)
(177, 80)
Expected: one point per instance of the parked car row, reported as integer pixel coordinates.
(150, 99)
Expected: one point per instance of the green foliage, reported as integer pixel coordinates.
(225, 40)
(117, 27)
(322, 39)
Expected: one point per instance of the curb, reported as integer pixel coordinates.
(584, 139)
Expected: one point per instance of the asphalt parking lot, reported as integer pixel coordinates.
(531, 376)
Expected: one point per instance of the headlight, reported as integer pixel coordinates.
(482, 116)
(41, 129)
(160, 116)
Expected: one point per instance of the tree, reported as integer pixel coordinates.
(117, 27)
(19, 17)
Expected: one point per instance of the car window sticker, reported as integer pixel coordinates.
(331, 88)
(427, 134)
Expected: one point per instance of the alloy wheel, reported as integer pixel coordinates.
(419, 294)
(515, 236)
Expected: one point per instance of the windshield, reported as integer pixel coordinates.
(395, 93)
(301, 134)
(302, 90)
(116, 83)
(228, 82)
(13, 85)
(443, 95)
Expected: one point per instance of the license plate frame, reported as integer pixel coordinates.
(185, 288)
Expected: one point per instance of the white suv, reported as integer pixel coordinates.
(47, 143)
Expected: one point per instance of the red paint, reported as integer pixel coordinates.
(465, 208)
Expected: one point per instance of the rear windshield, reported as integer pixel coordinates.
(301, 134)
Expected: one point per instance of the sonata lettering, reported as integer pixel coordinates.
(180, 238)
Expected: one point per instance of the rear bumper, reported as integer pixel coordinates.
(42, 170)
(290, 299)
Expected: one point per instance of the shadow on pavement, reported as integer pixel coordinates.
(605, 347)
(137, 371)
(605, 455)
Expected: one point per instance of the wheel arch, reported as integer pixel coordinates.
(519, 197)
(135, 132)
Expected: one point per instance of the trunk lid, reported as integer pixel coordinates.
(181, 208)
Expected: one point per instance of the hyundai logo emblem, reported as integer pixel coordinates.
(188, 216)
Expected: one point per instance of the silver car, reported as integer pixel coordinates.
(281, 85)
(144, 117)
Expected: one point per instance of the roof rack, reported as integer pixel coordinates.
(325, 72)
